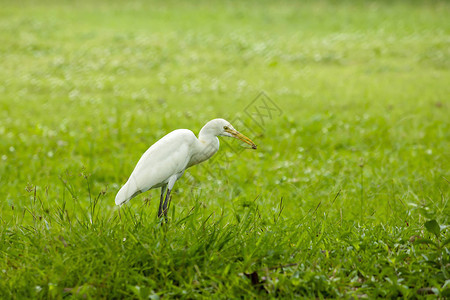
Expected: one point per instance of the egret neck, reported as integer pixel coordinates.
(207, 146)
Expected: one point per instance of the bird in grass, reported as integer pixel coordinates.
(167, 159)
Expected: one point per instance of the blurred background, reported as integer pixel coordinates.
(355, 99)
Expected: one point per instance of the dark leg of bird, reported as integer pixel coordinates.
(161, 199)
(165, 203)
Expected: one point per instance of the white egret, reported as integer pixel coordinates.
(165, 161)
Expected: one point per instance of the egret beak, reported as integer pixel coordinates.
(240, 136)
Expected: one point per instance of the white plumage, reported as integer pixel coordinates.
(165, 161)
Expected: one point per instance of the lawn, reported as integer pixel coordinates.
(346, 196)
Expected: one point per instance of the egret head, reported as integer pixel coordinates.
(221, 127)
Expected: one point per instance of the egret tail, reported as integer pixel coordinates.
(128, 191)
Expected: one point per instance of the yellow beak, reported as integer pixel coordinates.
(240, 136)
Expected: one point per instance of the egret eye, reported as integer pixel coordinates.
(225, 127)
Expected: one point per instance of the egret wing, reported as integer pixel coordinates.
(168, 156)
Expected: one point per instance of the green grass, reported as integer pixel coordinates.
(341, 198)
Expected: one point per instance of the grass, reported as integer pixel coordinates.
(346, 196)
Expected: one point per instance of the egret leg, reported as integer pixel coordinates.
(170, 184)
(161, 199)
(166, 202)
